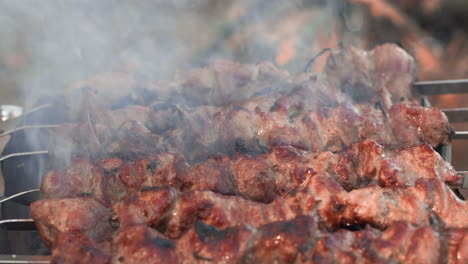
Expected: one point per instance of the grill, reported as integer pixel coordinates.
(18, 232)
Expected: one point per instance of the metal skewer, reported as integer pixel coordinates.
(18, 195)
(460, 135)
(442, 87)
(26, 127)
(23, 154)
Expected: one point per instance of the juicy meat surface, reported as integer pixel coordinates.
(149, 206)
(319, 195)
(400, 243)
(75, 248)
(84, 215)
(299, 240)
(82, 177)
(260, 178)
(412, 204)
(141, 244)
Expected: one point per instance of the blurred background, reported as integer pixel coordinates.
(47, 47)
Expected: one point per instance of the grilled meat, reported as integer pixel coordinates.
(399, 243)
(383, 74)
(172, 213)
(300, 240)
(141, 244)
(412, 204)
(206, 130)
(84, 215)
(82, 177)
(259, 177)
(258, 167)
(75, 248)
(360, 95)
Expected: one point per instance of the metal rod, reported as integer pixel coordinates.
(19, 224)
(24, 259)
(456, 115)
(27, 127)
(37, 108)
(442, 87)
(23, 154)
(460, 135)
(18, 195)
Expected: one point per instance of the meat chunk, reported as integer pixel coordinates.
(414, 204)
(205, 243)
(84, 215)
(281, 242)
(419, 124)
(223, 211)
(384, 74)
(259, 178)
(141, 244)
(400, 243)
(80, 178)
(75, 248)
(149, 206)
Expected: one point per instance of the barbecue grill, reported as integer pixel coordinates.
(15, 206)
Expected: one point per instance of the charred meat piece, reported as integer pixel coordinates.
(80, 178)
(299, 240)
(413, 204)
(281, 242)
(205, 243)
(75, 248)
(222, 211)
(152, 170)
(141, 244)
(172, 213)
(84, 215)
(399, 243)
(150, 206)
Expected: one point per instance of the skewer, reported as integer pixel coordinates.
(456, 115)
(460, 135)
(26, 127)
(18, 224)
(37, 108)
(24, 259)
(442, 87)
(18, 195)
(26, 224)
(23, 154)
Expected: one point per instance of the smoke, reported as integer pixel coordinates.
(66, 41)
(62, 42)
